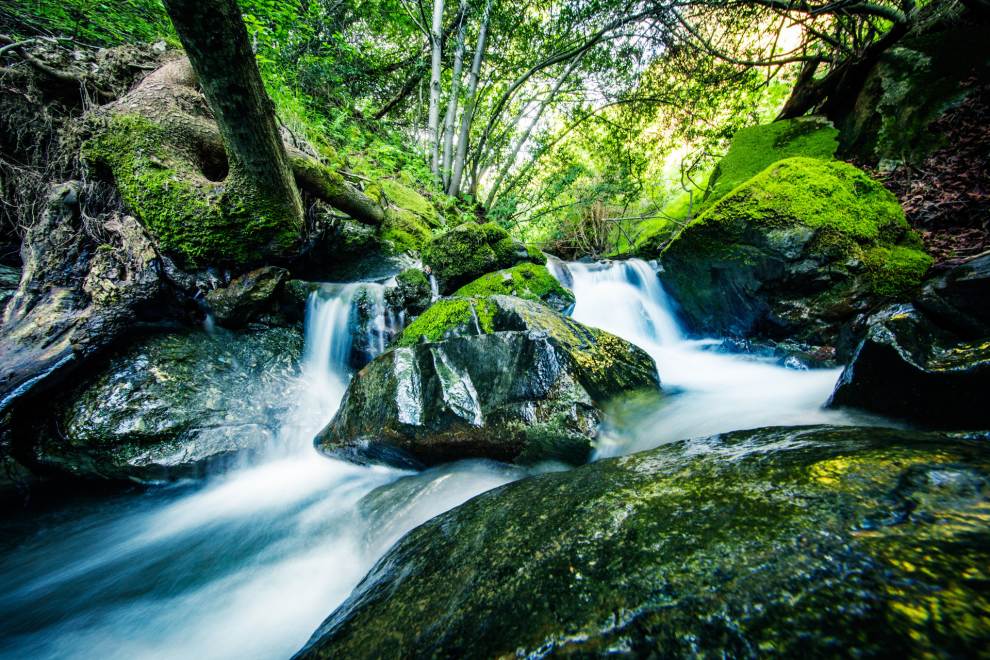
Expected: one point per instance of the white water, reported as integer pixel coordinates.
(248, 564)
(708, 392)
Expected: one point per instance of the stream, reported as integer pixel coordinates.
(249, 563)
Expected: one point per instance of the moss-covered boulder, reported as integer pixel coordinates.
(813, 542)
(412, 292)
(909, 367)
(170, 406)
(497, 377)
(527, 281)
(457, 256)
(755, 148)
(797, 252)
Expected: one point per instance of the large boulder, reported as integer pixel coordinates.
(798, 252)
(528, 281)
(928, 362)
(497, 377)
(470, 250)
(810, 541)
(168, 406)
(755, 148)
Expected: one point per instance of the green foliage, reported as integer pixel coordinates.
(446, 315)
(753, 149)
(94, 22)
(527, 281)
(201, 221)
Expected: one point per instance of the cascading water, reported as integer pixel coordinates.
(246, 565)
(708, 392)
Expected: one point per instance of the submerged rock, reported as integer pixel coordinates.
(470, 250)
(170, 406)
(798, 252)
(528, 281)
(499, 378)
(812, 541)
(246, 296)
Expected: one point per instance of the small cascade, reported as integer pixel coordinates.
(705, 391)
(434, 288)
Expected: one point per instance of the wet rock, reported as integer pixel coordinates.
(470, 250)
(959, 299)
(505, 378)
(246, 296)
(812, 541)
(411, 292)
(77, 295)
(169, 406)
(909, 367)
(800, 252)
(10, 277)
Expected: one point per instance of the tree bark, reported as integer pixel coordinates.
(455, 83)
(216, 41)
(434, 118)
(467, 116)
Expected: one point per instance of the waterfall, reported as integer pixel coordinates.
(247, 564)
(707, 391)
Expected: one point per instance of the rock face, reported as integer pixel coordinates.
(527, 281)
(171, 406)
(468, 251)
(908, 367)
(507, 379)
(812, 541)
(245, 296)
(797, 252)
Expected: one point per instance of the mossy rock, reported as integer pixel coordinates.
(411, 293)
(755, 148)
(403, 231)
(404, 197)
(191, 206)
(470, 250)
(498, 377)
(528, 281)
(809, 541)
(796, 252)
(911, 86)
(173, 406)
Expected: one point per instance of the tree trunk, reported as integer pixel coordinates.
(434, 119)
(455, 83)
(216, 41)
(467, 116)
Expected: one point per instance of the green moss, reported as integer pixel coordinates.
(446, 315)
(467, 251)
(408, 199)
(896, 269)
(404, 231)
(535, 254)
(756, 147)
(199, 220)
(527, 281)
(413, 278)
(848, 210)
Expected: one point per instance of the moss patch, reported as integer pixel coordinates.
(527, 281)
(201, 221)
(896, 269)
(469, 250)
(447, 315)
(408, 199)
(753, 149)
(404, 231)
